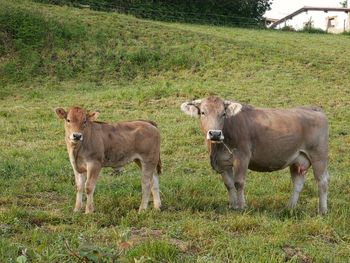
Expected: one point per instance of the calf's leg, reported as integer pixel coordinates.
(93, 169)
(146, 181)
(227, 177)
(79, 183)
(155, 192)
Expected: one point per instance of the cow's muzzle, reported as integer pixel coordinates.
(76, 137)
(215, 136)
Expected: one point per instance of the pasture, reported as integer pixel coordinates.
(128, 68)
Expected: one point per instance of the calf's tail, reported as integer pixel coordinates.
(150, 122)
(159, 166)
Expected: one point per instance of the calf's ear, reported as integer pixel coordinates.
(232, 108)
(92, 116)
(191, 108)
(61, 113)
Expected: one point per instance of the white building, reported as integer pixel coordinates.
(330, 19)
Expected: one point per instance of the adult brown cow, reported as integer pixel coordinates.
(92, 145)
(240, 137)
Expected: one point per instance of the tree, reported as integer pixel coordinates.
(234, 12)
(344, 3)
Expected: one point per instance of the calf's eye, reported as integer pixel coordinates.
(202, 113)
(68, 120)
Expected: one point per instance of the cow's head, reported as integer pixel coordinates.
(212, 112)
(76, 122)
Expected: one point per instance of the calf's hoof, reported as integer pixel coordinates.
(142, 209)
(157, 206)
(89, 210)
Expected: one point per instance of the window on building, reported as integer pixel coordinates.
(331, 21)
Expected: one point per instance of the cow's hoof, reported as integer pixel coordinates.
(233, 206)
(291, 204)
(239, 206)
(322, 211)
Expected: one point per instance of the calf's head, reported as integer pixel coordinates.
(212, 112)
(76, 122)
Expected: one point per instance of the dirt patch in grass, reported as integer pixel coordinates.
(143, 234)
(295, 253)
(44, 200)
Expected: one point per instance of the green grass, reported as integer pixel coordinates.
(128, 68)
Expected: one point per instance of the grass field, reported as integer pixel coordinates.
(127, 68)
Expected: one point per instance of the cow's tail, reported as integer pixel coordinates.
(159, 166)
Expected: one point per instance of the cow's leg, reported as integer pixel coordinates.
(227, 176)
(321, 176)
(79, 183)
(155, 192)
(93, 169)
(146, 181)
(298, 179)
(240, 169)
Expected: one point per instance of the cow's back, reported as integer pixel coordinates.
(129, 140)
(274, 137)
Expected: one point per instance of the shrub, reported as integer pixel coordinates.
(26, 36)
(314, 30)
(288, 28)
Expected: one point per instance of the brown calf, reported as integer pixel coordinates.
(92, 145)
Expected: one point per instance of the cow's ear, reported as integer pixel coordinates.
(232, 108)
(191, 108)
(61, 113)
(92, 116)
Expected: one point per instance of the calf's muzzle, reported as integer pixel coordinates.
(77, 136)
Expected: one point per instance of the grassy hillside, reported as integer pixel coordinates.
(128, 68)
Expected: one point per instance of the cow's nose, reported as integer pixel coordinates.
(77, 136)
(215, 135)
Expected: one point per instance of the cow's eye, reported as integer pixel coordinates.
(203, 113)
(68, 120)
